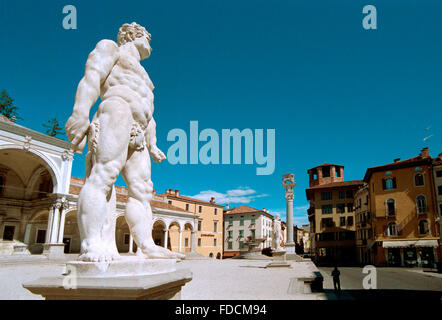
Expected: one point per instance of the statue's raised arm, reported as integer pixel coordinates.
(98, 66)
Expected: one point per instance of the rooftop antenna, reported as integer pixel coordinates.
(427, 138)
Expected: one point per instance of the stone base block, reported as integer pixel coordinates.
(21, 249)
(130, 278)
(53, 250)
(279, 255)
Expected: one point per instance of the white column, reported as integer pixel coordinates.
(180, 240)
(49, 228)
(131, 243)
(55, 225)
(193, 242)
(61, 226)
(289, 197)
(165, 238)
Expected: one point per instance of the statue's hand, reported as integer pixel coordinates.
(76, 128)
(157, 155)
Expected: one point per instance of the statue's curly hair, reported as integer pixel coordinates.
(129, 32)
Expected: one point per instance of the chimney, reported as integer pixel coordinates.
(425, 153)
(154, 191)
(227, 206)
(212, 200)
(177, 193)
(264, 209)
(440, 156)
(397, 160)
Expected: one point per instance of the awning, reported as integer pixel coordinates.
(409, 243)
(426, 243)
(398, 244)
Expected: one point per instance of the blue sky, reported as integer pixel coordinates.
(333, 91)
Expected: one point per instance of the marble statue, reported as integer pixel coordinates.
(120, 139)
(277, 235)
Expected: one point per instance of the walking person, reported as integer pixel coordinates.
(336, 282)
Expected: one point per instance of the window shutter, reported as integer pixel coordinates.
(394, 183)
(384, 185)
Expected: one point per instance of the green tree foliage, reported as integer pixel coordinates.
(53, 128)
(7, 107)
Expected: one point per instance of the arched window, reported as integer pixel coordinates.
(392, 229)
(424, 227)
(419, 179)
(421, 204)
(389, 183)
(391, 207)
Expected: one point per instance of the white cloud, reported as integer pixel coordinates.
(239, 195)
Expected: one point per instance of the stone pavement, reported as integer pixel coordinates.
(212, 279)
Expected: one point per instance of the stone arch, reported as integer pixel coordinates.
(43, 160)
(71, 235)
(158, 229)
(174, 233)
(122, 234)
(218, 255)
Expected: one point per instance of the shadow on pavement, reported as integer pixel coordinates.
(381, 294)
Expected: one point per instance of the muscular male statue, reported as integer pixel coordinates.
(276, 236)
(120, 138)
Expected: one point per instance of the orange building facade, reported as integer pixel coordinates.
(402, 214)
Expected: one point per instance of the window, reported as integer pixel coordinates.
(230, 221)
(392, 229)
(126, 238)
(229, 245)
(252, 221)
(241, 245)
(199, 225)
(419, 179)
(350, 221)
(349, 207)
(241, 233)
(340, 207)
(200, 209)
(389, 183)
(187, 207)
(8, 233)
(41, 236)
(241, 222)
(424, 227)
(169, 202)
(421, 204)
(216, 211)
(326, 196)
(349, 194)
(439, 190)
(214, 242)
(326, 236)
(439, 174)
(342, 221)
(186, 242)
(252, 233)
(391, 207)
(230, 234)
(327, 209)
(199, 242)
(341, 194)
(327, 222)
(215, 226)
(325, 172)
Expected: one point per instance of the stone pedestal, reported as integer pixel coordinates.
(21, 249)
(53, 250)
(279, 260)
(130, 278)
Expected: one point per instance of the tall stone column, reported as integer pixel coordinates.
(193, 242)
(165, 238)
(54, 248)
(180, 240)
(131, 243)
(288, 182)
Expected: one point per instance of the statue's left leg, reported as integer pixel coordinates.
(138, 215)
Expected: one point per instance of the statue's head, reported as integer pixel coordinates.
(136, 34)
(277, 217)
